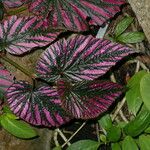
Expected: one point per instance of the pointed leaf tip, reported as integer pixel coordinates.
(38, 107)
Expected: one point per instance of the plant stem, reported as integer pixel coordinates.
(26, 72)
(74, 134)
(120, 105)
(63, 136)
(14, 12)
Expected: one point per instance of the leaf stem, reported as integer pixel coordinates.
(26, 72)
(16, 11)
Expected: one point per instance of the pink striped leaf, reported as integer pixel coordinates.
(38, 107)
(6, 79)
(87, 100)
(20, 35)
(73, 14)
(79, 58)
(12, 3)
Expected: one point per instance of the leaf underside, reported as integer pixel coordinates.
(73, 14)
(38, 107)
(79, 58)
(88, 99)
(21, 34)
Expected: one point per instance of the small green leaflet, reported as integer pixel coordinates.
(84, 145)
(133, 96)
(129, 144)
(115, 146)
(145, 90)
(123, 25)
(114, 134)
(17, 128)
(131, 37)
(105, 122)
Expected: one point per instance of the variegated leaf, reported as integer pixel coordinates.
(20, 35)
(12, 3)
(73, 14)
(87, 100)
(79, 58)
(38, 107)
(6, 79)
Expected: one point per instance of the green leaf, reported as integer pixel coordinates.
(131, 37)
(115, 146)
(136, 126)
(17, 128)
(147, 130)
(114, 134)
(57, 148)
(84, 145)
(145, 90)
(129, 144)
(123, 25)
(103, 138)
(6, 109)
(144, 142)
(11, 116)
(133, 96)
(121, 124)
(105, 122)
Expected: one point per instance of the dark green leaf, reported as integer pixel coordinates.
(88, 99)
(131, 37)
(17, 128)
(21, 34)
(72, 14)
(40, 106)
(1, 95)
(105, 122)
(114, 134)
(123, 25)
(145, 90)
(84, 145)
(1, 10)
(133, 96)
(115, 146)
(129, 144)
(144, 142)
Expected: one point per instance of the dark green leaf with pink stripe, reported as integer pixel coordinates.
(6, 79)
(88, 99)
(40, 106)
(80, 58)
(73, 14)
(21, 34)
